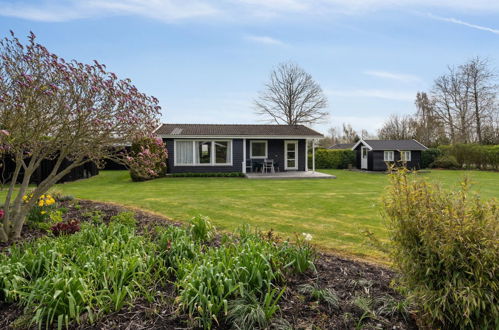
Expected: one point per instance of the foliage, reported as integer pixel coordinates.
(333, 158)
(249, 312)
(44, 213)
(201, 229)
(65, 228)
(147, 159)
(322, 295)
(445, 161)
(81, 276)
(428, 156)
(206, 175)
(125, 218)
(301, 255)
(445, 245)
(67, 112)
(473, 155)
(239, 272)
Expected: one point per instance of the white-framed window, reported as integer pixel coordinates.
(203, 152)
(258, 149)
(405, 156)
(388, 156)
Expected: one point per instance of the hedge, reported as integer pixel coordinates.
(333, 158)
(205, 175)
(469, 155)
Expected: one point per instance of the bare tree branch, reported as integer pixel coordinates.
(291, 97)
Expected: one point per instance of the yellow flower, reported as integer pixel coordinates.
(43, 212)
(40, 203)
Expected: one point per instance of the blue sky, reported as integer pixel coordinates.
(207, 60)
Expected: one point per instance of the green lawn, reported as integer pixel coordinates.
(333, 211)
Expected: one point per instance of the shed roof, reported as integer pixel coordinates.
(391, 145)
(193, 130)
(342, 146)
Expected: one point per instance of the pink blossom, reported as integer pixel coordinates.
(4, 132)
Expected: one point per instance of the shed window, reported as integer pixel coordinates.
(258, 149)
(405, 156)
(388, 156)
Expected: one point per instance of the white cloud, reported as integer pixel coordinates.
(375, 93)
(407, 78)
(266, 40)
(173, 10)
(457, 21)
(164, 10)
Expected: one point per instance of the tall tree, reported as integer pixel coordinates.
(483, 91)
(53, 109)
(397, 128)
(349, 134)
(292, 97)
(428, 129)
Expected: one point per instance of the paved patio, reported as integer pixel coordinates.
(290, 175)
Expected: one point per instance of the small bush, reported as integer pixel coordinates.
(448, 162)
(333, 158)
(429, 156)
(147, 159)
(125, 218)
(445, 245)
(65, 228)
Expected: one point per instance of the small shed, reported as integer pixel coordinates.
(376, 155)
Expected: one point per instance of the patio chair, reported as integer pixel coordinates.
(268, 166)
(249, 165)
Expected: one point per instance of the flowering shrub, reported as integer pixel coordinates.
(2, 213)
(147, 159)
(65, 228)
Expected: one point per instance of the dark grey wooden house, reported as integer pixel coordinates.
(376, 155)
(236, 148)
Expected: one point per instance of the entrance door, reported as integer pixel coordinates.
(363, 158)
(291, 155)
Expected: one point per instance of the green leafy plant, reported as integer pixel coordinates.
(125, 218)
(249, 312)
(301, 255)
(81, 276)
(445, 246)
(201, 228)
(322, 295)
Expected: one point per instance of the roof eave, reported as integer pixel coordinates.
(364, 143)
(171, 136)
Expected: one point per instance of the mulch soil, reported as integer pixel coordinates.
(353, 282)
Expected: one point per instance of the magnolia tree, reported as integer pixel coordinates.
(53, 109)
(147, 159)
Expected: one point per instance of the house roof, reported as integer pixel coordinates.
(391, 145)
(231, 130)
(342, 146)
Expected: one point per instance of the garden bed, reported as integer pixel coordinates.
(363, 293)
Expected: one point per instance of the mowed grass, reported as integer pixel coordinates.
(334, 211)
